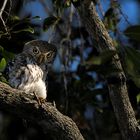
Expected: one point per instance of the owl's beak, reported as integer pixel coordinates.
(41, 58)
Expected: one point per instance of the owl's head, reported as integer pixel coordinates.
(41, 51)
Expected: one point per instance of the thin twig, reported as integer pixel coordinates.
(3, 7)
(4, 24)
(9, 11)
(1, 12)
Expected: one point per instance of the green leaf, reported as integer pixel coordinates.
(132, 58)
(67, 3)
(105, 70)
(104, 57)
(110, 19)
(29, 29)
(136, 80)
(130, 68)
(2, 64)
(132, 64)
(3, 79)
(1, 49)
(107, 55)
(2, 33)
(50, 21)
(91, 96)
(138, 98)
(37, 17)
(7, 55)
(133, 32)
(95, 60)
(57, 3)
(15, 18)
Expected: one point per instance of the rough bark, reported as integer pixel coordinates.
(46, 116)
(124, 113)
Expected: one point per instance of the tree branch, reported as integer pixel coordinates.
(1, 12)
(125, 115)
(46, 116)
(3, 7)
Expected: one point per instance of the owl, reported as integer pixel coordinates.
(28, 70)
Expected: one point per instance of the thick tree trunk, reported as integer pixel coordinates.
(46, 116)
(125, 115)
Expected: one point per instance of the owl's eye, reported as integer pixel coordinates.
(35, 51)
(49, 54)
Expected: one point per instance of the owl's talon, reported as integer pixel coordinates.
(39, 100)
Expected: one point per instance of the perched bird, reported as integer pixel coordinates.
(28, 70)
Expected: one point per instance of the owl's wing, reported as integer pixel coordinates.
(22, 72)
(14, 71)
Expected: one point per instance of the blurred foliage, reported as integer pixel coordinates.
(50, 21)
(111, 17)
(78, 84)
(132, 63)
(133, 32)
(104, 57)
(22, 30)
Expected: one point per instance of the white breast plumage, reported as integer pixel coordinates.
(28, 77)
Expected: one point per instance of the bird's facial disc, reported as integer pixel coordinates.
(38, 55)
(45, 57)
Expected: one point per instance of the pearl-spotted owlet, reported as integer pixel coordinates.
(28, 70)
